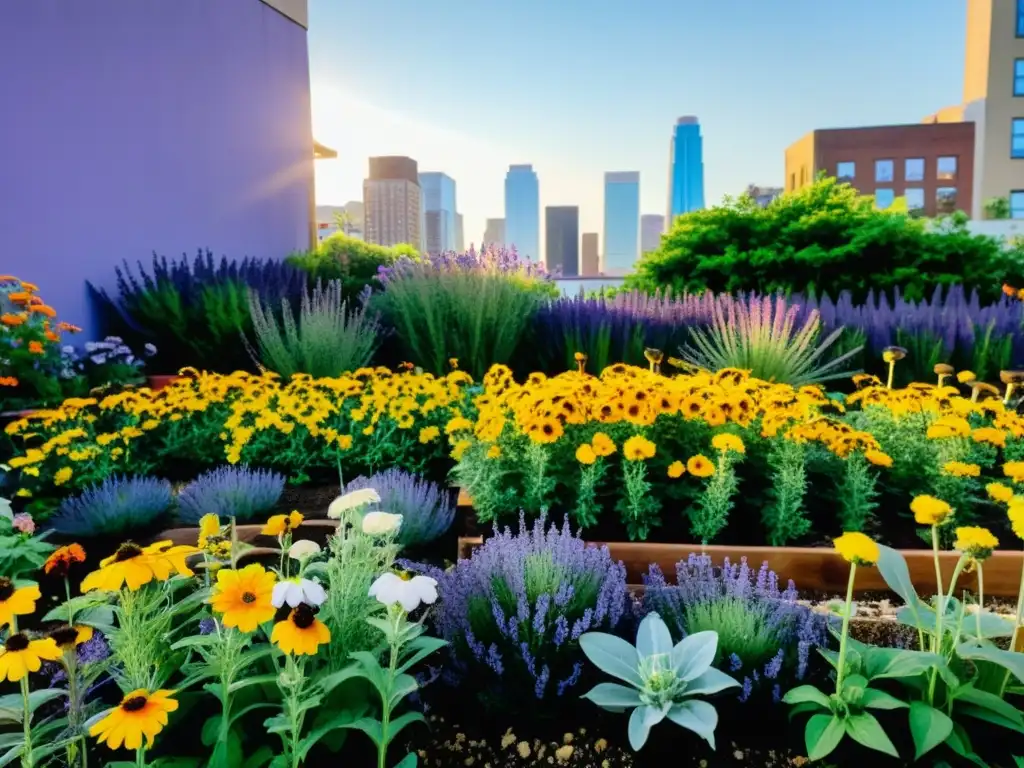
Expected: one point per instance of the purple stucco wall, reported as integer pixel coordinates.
(128, 126)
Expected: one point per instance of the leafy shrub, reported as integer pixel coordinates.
(471, 307)
(238, 492)
(195, 312)
(513, 613)
(117, 506)
(427, 510)
(825, 238)
(758, 335)
(326, 339)
(763, 632)
(354, 262)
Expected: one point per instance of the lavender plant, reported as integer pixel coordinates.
(427, 510)
(114, 507)
(327, 337)
(239, 492)
(764, 634)
(513, 613)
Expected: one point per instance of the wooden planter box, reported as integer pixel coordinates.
(158, 382)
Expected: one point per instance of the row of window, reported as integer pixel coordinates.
(945, 199)
(913, 169)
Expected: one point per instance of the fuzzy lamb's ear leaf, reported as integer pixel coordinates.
(694, 654)
(612, 655)
(709, 682)
(641, 721)
(653, 637)
(697, 716)
(893, 567)
(613, 696)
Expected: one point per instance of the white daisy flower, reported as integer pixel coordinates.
(353, 500)
(296, 591)
(390, 588)
(381, 523)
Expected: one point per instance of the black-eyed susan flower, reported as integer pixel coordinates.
(726, 442)
(136, 566)
(16, 601)
(69, 637)
(929, 510)
(975, 542)
(60, 561)
(676, 469)
(300, 633)
(20, 655)
(638, 448)
(243, 597)
(140, 714)
(279, 525)
(990, 435)
(700, 466)
(857, 548)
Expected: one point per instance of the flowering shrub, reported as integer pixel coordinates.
(764, 636)
(514, 611)
(238, 492)
(427, 510)
(117, 506)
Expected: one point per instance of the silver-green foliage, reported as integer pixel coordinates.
(327, 337)
(761, 335)
(711, 514)
(663, 678)
(857, 493)
(785, 516)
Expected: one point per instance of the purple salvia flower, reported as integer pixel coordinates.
(572, 679)
(735, 663)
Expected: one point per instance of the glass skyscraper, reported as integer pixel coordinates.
(621, 222)
(685, 169)
(562, 230)
(439, 216)
(522, 211)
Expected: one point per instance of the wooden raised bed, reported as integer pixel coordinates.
(159, 381)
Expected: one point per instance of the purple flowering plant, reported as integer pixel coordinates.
(427, 510)
(765, 637)
(513, 613)
(238, 492)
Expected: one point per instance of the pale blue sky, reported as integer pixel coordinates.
(580, 87)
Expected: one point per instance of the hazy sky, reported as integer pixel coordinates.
(580, 87)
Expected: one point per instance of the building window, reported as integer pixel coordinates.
(1017, 204)
(913, 169)
(883, 170)
(1020, 18)
(792, 182)
(1018, 77)
(945, 199)
(1017, 138)
(945, 169)
(846, 171)
(915, 198)
(884, 198)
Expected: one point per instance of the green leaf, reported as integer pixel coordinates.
(893, 567)
(613, 656)
(211, 731)
(401, 687)
(866, 730)
(254, 680)
(409, 761)
(822, 735)
(402, 721)
(349, 672)
(259, 758)
(613, 696)
(339, 721)
(422, 647)
(807, 694)
(370, 727)
(697, 716)
(929, 727)
(12, 705)
(875, 699)
(236, 716)
(969, 695)
(372, 671)
(882, 663)
(988, 716)
(1011, 660)
(196, 641)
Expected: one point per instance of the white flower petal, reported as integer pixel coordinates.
(353, 500)
(280, 594)
(303, 548)
(312, 593)
(381, 523)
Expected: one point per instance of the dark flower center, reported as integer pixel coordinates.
(65, 636)
(6, 589)
(547, 429)
(17, 642)
(134, 704)
(303, 616)
(248, 597)
(127, 551)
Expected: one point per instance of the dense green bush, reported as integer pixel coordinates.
(345, 258)
(825, 238)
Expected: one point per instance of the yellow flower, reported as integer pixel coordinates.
(676, 469)
(68, 638)
(244, 597)
(857, 548)
(209, 527)
(16, 602)
(139, 714)
(494, 452)
(585, 454)
(545, 431)
(725, 442)
(460, 448)
(996, 437)
(975, 542)
(62, 475)
(638, 448)
(429, 434)
(965, 376)
(700, 466)
(279, 525)
(960, 469)
(137, 566)
(929, 510)
(603, 445)
(878, 458)
(1016, 515)
(1014, 470)
(301, 633)
(458, 424)
(19, 655)
(999, 492)
(344, 442)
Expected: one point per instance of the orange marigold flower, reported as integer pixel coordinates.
(35, 347)
(19, 297)
(44, 309)
(30, 287)
(12, 320)
(8, 381)
(62, 326)
(60, 562)
(52, 336)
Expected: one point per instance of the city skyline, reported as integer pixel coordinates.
(522, 211)
(685, 168)
(621, 222)
(576, 114)
(562, 240)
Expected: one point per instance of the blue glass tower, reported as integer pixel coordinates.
(522, 211)
(621, 222)
(439, 216)
(685, 169)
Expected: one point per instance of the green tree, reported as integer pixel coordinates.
(353, 261)
(997, 208)
(824, 238)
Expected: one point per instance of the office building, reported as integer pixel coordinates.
(522, 211)
(621, 222)
(393, 203)
(652, 225)
(562, 231)
(494, 233)
(685, 169)
(930, 165)
(590, 259)
(763, 195)
(460, 242)
(439, 216)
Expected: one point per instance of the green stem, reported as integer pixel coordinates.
(26, 752)
(846, 629)
(140, 757)
(981, 599)
(1019, 617)
(940, 610)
